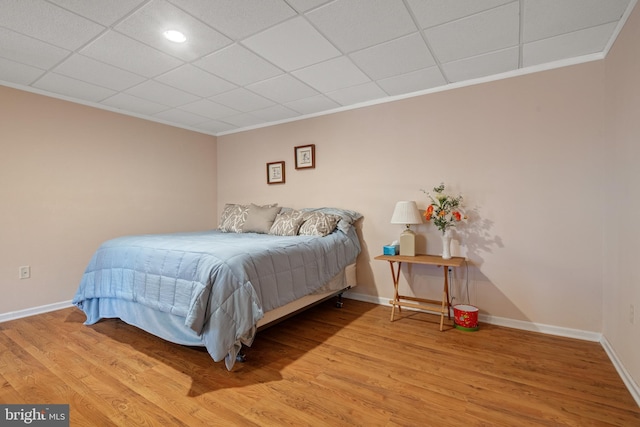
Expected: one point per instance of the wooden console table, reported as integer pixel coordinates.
(443, 306)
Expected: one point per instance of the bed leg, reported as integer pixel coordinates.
(339, 301)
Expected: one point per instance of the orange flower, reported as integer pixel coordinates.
(442, 213)
(428, 213)
(457, 215)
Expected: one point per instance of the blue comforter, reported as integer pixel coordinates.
(219, 283)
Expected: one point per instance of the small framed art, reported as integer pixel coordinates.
(275, 173)
(305, 156)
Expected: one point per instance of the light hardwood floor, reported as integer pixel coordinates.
(327, 366)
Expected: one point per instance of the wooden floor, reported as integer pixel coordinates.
(327, 366)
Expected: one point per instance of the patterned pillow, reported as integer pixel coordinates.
(318, 224)
(234, 216)
(347, 217)
(287, 223)
(259, 219)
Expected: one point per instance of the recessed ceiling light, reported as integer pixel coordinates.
(174, 36)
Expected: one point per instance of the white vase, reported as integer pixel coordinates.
(446, 244)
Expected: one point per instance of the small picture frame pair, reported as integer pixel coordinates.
(305, 158)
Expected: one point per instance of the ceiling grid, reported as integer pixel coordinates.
(252, 63)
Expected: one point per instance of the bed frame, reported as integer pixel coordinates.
(294, 307)
(273, 317)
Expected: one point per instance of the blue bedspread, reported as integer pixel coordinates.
(220, 283)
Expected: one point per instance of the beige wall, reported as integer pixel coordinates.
(622, 232)
(72, 176)
(525, 152)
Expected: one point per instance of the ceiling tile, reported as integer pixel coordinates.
(126, 53)
(547, 18)
(398, 56)
(275, 113)
(45, 21)
(430, 13)
(413, 82)
(214, 127)
(133, 103)
(161, 93)
(242, 100)
(282, 88)
(481, 33)
(243, 120)
(196, 81)
(357, 24)
(15, 72)
(291, 45)
(239, 65)
(149, 22)
(312, 105)
(482, 65)
(332, 75)
(27, 50)
(67, 86)
(98, 73)
(305, 5)
(356, 94)
(96, 10)
(175, 115)
(584, 42)
(238, 18)
(209, 109)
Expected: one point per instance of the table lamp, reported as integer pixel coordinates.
(407, 213)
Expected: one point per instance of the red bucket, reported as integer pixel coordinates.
(466, 317)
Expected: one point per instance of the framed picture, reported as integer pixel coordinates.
(305, 156)
(275, 173)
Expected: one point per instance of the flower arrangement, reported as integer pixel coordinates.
(444, 210)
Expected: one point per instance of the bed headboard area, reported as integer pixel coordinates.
(283, 221)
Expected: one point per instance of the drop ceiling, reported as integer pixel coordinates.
(251, 63)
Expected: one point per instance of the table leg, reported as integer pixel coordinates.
(396, 278)
(446, 304)
(446, 290)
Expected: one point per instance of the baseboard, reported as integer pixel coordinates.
(542, 328)
(501, 321)
(12, 315)
(632, 386)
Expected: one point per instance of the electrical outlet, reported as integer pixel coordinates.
(25, 272)
(632, 313)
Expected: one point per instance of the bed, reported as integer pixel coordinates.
(216, 288)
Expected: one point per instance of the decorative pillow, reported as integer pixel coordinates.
(318, 224)
(287, 223)
(233, 217)
(347, 217)
(259, 219)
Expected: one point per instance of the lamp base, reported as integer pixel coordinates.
(408, 243)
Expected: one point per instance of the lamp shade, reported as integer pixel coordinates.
(406, 213)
